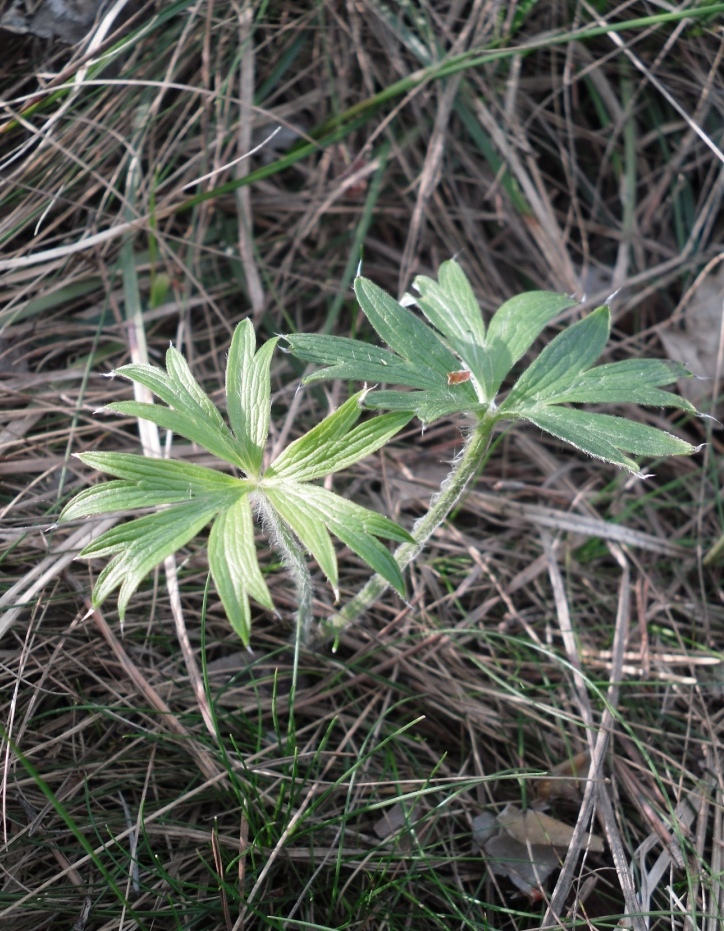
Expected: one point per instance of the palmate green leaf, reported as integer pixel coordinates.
(234, 567)
(218, 443)
(308, 528)
(403, 332)
(333, 506)
(335, 444)
(176, 387)
(607, 437)
(565, 357)
(190, 412)
(562, 373)
(429, 406)
(248, 393)
(189, 397)
(631, 381)
(142, 544)
(169, 472)
(356, 527)
(514, 328)
(421, 358)
(352, 360)
(112, 497)
(353, 524)
(450, 305)
(327, 432)
(148, 483)
(195, 495)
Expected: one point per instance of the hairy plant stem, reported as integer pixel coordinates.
(286, 543)
(467, 467)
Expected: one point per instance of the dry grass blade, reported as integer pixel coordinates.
(205, 761)
(243, 194)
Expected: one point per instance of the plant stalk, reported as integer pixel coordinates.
(468, 466)
(286, 543)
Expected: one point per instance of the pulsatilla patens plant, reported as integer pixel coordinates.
(427, 359)
(455, 364)
(451, 364)
(293, 510)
